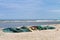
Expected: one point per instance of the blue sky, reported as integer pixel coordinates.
(29, 9)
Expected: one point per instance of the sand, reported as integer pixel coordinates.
(35, 35)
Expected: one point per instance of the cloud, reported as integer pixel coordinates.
(26, 6)
(20, 8)
(54, 11)
(29, 8)
(20, 4)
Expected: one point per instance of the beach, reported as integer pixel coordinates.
(35, 35)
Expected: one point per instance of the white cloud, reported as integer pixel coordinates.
(55, 11)
(25, 6)
(21, 4)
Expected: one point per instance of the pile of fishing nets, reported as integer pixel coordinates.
(27, 29)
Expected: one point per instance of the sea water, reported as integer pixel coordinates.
(4, 24)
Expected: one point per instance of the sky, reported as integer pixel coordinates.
(29, 9)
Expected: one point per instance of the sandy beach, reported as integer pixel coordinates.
(35, 35)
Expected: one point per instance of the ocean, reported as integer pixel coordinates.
(18, 23)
